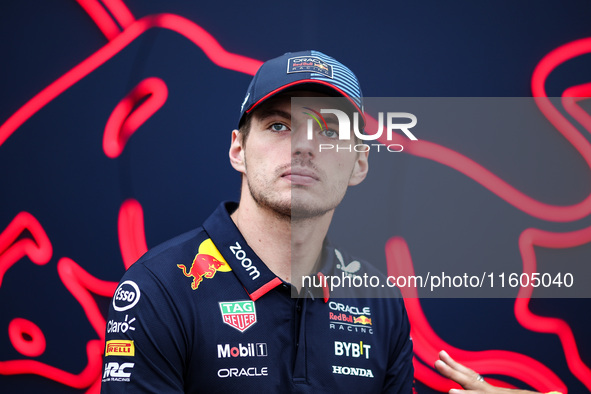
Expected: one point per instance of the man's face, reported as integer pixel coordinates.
(284, 170)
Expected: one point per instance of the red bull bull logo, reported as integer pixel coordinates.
(205, 264)
(363, 320)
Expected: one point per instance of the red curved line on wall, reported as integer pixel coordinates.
(75, 278)
(570, 100)
(82, 380)
(131, 112)
(80, 283)
(120, 12)
(470, 168)
(30, 348)
(106, 23)
(496, 185)
(548, 64)
(529, 237)
(96, 387)
(132, 238)
(38, 249)
(427, 343)
(101, 18)
(534, 237)
(212, 49)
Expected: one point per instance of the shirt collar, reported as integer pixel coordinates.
(328, 259)
(256, 278)
(327, 268)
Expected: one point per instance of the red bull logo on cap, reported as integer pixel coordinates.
(205, 264)
(309, 64)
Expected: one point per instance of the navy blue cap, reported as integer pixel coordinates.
(313, 69)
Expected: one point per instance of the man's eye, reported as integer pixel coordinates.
(279, 127)
(329, 133)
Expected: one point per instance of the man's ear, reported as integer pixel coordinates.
(360, 170)
(237, 152)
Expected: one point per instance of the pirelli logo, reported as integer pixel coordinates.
(120, 348)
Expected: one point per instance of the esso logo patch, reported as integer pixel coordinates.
(126, 296)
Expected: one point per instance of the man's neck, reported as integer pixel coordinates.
(279, 241)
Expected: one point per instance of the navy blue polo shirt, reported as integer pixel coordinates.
(201, 313)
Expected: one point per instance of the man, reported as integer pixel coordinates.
(212, 310)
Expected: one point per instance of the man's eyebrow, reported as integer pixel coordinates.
(331, 118)
(267, 113)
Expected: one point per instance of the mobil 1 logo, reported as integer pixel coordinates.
(242, 350)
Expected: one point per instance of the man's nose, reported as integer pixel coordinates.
(303, 144)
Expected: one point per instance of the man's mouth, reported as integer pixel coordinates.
(301, 176)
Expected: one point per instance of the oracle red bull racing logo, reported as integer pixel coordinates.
(205, 264)
(350, 318)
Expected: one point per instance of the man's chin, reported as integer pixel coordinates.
(307, 211)
(281, 209)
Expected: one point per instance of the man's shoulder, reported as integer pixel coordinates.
(180, 266)
(188, 244)
(162, 260)
(172, 247)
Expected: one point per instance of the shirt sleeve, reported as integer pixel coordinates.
(145, 344)
(400, 373)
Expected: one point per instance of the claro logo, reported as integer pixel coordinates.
(245, 261)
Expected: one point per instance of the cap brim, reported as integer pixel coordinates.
(309, 84)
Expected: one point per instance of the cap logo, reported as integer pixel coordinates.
(244, 102)
(308, 64)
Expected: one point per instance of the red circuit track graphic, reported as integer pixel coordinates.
(13, 248)
(131, 112)
(399, 261)
(120, 28)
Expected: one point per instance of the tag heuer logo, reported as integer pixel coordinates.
(239, 314)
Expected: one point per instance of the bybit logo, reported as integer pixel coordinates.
(351, 349)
